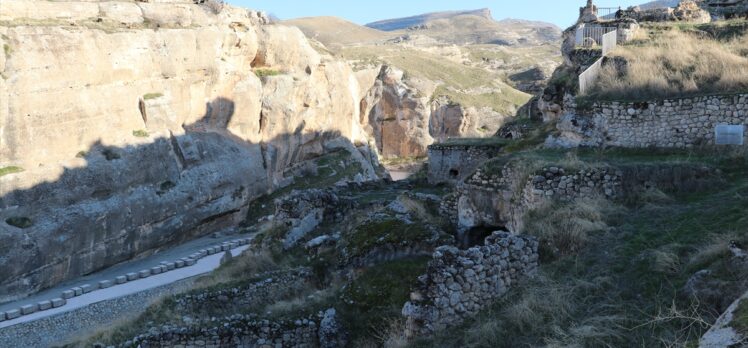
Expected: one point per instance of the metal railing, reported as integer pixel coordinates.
(590, 36)
(588, 77)
(607, 12)
(610, 42)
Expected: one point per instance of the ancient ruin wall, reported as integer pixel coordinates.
(674, 123)
(453, 163)
(459, 283)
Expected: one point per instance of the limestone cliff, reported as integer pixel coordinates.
(138, 125)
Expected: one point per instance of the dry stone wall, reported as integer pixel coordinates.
(674, 123)
(453, 163)
(245, 331)
(459, 283)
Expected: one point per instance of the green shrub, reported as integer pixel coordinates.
(8, 50)
(10, 170)
(150, 96)
(140, 133)
(110, 154)
(740, 321)
(81, 154)
(19, 221)
(264, 72)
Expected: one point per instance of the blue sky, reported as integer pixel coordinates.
(560, 12)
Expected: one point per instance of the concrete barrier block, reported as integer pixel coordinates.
(44, 305)
(234, 245)
(105, 284)
(179, 264)
(189, 262)
(132, 276)
(203, 252)
(29, 309)
(164, 269)
(58, 302)
(170, 266)
(77, 290)
(144, 273)
(13, 314)
(120, 280)
(211, 251)
(2, 316)
(156, 270)
(68, 294)
(87, 288)
(224, 247)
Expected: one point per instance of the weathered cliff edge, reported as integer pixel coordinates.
(140, 125)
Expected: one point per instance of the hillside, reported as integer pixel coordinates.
(408, 22)
(334, 32)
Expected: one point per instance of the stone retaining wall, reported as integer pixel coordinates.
(675, 123)
(239, 331)
(275, 284)
(459, 283)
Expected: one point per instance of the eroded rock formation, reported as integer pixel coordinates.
(139, 125)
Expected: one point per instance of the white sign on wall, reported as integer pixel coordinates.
(729, 134)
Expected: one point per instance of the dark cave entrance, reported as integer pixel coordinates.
(454, 173)
(477, 235)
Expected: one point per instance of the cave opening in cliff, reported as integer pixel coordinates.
(477, 235)
(454, 173)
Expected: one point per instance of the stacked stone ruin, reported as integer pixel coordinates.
(452, 163)
(320, 330)
(459, 283)
(273, 284)
(163, 267)
(557, 183)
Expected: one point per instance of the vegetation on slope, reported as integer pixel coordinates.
(456, 79)
(620, 282)
(670, 62)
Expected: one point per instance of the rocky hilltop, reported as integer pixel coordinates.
(440, 75)
(130, 126)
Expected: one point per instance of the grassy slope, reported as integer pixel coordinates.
(456, 78)
(333, 31)
(620, 288)
(669, 61)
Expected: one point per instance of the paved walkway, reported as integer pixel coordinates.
(202, 266)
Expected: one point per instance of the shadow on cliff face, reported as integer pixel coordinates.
(131, 201)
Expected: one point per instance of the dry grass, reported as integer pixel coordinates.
(674, 64)
(249, 264)
(545, 310)
(564, 228)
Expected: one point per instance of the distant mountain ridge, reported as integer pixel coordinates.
(412, 21)
(659, 4)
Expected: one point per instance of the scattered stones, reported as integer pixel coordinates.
(44, 305)
(87, 288)
(68, 294)
(58, 302)
(28, 309)
(13, 314)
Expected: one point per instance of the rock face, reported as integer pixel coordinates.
(459, 283)
(398, 116)
(142, 124)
